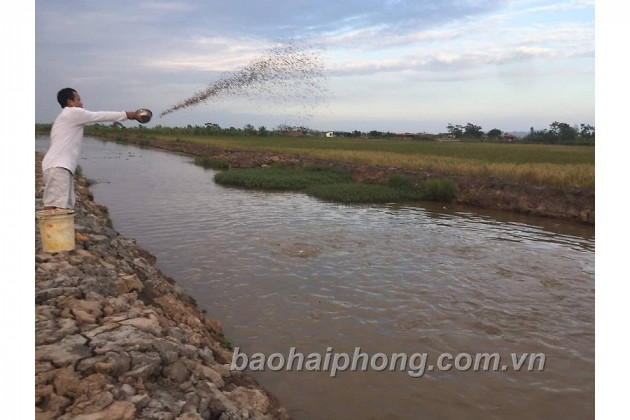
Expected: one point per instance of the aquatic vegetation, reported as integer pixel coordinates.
(333, 184)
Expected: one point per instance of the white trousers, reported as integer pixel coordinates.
(59, 188)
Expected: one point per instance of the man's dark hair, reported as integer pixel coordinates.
(65, 95)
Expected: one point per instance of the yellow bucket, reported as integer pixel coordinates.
(57, 229)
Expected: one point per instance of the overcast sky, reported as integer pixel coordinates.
(389, 65)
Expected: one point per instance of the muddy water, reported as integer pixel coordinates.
(282, 270)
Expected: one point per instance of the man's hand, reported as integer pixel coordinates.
(132, 116)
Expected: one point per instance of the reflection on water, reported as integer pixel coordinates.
(387, 279)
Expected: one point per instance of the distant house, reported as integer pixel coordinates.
(509, 137)
(446, 137)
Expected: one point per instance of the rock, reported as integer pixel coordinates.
(168, 350)
(177, 334)
(149, 325)
(177, 372)
(75, 260)
(67, 383)
(206, 356)
(124, 338)
(140, 401)
(98, 238)
(128, 283)
(114, 305)
(48, 294)
(110, 326)
(122, 410)
(127, 390)
(42, 257)
(219, 403)
(53, 407)
(189, 416)
(82, 310)
(250, 399)
(64, 352)
(84, 255)
(149, 360)
(112, 363)
(209, 374)
(142, 372)
(189, 351)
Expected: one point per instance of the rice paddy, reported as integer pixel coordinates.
(535, 164)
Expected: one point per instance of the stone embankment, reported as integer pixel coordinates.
(117, 339)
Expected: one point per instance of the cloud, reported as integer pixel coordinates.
(538, 6)
(207, 54)
(450, 50)
(162, 51)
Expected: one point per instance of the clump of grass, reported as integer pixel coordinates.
(226, 343)
(353, 192)
(208, 162)
(336, 185)
(282, 178)
(400, 181)
(438, 189)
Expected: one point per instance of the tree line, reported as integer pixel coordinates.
(563, 133)
(557, 133)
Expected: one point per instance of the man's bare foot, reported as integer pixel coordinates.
(80, 237)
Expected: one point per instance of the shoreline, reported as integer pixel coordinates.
(116, 338)
(572, 204)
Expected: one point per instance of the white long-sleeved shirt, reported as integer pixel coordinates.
(66, 135)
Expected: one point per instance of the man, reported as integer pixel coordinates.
(66, 137)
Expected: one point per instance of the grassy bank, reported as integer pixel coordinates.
(536, 164)
(337, 185)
